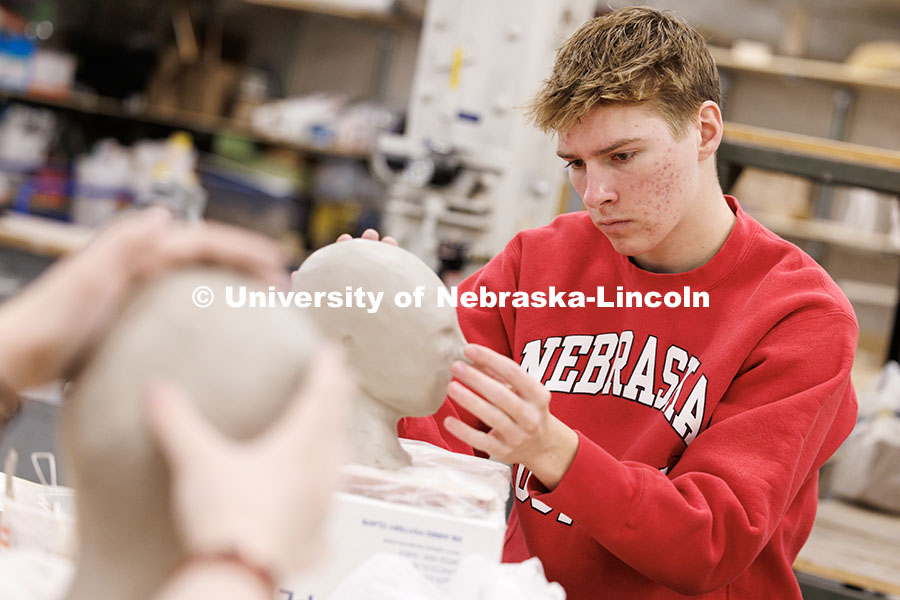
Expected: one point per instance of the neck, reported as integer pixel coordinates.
(373, 434)
(697, 237)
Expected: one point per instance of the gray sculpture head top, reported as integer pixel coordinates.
(402, 355)
(240, 366)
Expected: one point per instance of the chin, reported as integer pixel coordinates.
(629, 247)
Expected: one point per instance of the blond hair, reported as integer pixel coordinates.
(632, 55)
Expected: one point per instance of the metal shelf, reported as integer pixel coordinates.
(384, 18)
(176, 118)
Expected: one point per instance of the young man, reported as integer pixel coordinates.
(657, 451)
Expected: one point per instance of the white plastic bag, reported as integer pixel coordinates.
(392, 577)
(39, 517)
(28, 574)
(869, 467)
(882, 395)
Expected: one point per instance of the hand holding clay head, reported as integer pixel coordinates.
(240, 368)
(50, 324)
(402, 355)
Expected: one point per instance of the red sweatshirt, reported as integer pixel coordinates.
(701, 430)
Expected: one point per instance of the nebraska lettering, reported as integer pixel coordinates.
(607, 357)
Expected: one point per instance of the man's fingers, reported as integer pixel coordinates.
(473, 437)
(486, 412)
(369, 234)
(224, 245)
(180, 429)
(497, 393)
(507, 371)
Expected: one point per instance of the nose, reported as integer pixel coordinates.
(598, 190)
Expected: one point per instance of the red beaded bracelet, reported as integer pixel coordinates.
(233, 557)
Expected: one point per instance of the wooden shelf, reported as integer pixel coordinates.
(872, 294)
(180, 119)
(40, 235)
(855, 546)
(814, 70)
(817, 159)
(828, 231)
(392, 19)
(812, 146)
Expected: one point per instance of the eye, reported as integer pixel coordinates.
(622, 157)
(575, 164)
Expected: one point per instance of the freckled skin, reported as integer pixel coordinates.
(658, 184)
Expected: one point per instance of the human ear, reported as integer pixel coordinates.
(711, 128)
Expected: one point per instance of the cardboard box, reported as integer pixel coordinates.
(431, 537)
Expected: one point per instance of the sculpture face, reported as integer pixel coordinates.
(241, 367)
(402, 355)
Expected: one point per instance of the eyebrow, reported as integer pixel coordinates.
(615, 145)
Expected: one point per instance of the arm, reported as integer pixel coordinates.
(784, 414)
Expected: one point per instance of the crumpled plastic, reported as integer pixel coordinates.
(867, 465)
(31, 574)
(392, 577)
(453, 484)
(882, 395)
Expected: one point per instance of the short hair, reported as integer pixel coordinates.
(632, 55)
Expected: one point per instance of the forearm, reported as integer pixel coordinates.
(550, 465)
(17, 350)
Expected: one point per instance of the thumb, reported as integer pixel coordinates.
(180, 429)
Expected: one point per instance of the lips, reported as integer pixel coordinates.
(612, 225)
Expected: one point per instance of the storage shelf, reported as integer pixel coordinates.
(392, 19)
(814, 70)
(817, 159)
(830, 232)
(813, 146)
(40, 235)
(176, 118)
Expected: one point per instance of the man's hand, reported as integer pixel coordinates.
(237, 496)
(51, 323)
(369, 234)
(516, 408)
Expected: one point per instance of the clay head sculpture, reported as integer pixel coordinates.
(402, 355)
(239, 365)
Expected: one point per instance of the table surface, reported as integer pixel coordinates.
(855, 546)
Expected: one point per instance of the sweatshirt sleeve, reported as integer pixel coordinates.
(786, 412)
